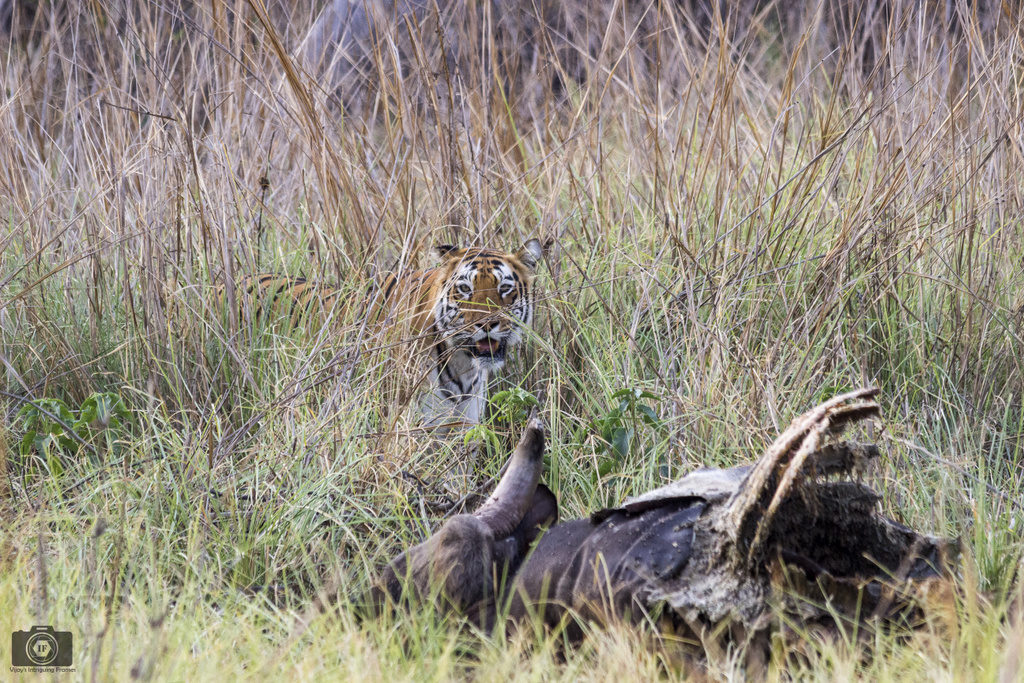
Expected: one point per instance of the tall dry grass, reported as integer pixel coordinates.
(747, 209)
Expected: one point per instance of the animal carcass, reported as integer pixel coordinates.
(721, 553)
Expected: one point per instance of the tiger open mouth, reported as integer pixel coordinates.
(489, 348)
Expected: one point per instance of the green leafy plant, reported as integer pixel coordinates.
(52, 430)
(102, 412)
(512, 406)
(483, 434)
(618, 428)
(48, 425)
(507, 407)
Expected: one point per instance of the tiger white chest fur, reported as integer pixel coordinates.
(458, 394)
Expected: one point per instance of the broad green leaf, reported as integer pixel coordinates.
(621, 440)
(649, 416)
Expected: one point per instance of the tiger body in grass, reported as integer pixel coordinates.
(468, 313)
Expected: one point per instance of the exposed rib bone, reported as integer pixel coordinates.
(749, 512)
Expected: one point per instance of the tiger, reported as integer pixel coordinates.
(469, 311)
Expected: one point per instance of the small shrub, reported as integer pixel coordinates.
(57, 434)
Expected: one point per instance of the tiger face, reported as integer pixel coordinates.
(486, 300)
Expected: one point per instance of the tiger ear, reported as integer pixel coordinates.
(530, 253)
(443, 250)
